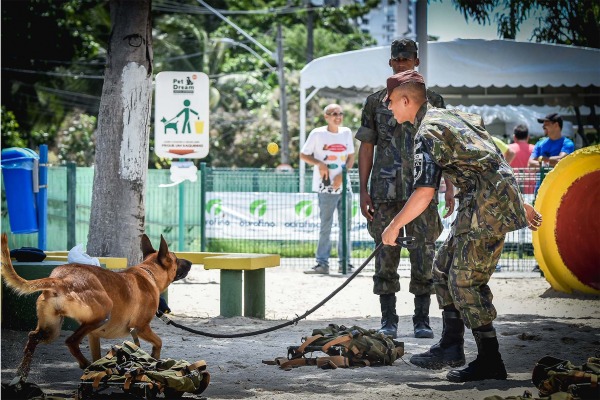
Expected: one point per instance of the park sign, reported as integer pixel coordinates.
(181, 115)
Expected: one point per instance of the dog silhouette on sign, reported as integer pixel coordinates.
(170, 125)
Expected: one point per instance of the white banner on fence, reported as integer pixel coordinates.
(284, 216)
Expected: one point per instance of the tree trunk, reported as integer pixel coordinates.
(118, 198)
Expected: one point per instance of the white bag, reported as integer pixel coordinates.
(78, 256)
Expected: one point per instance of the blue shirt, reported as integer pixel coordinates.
(549, 148)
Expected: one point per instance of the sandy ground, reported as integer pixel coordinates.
(533, 321)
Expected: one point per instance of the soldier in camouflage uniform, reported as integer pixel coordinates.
(386, 155)
(490, 205)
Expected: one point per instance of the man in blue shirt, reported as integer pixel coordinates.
(554, 146)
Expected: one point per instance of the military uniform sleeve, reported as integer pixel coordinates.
(368, 129)
(427, 172)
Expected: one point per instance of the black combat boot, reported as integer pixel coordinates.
(389, 318)
(449, 351)
(421, 317)
(487, 365)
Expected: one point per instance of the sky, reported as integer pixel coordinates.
(444, 21)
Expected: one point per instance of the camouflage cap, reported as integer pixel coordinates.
(405, 48)
(401, 78)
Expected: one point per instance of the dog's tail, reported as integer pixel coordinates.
(14, 281)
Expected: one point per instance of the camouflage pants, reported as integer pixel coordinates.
(461, 271)
(425, 228)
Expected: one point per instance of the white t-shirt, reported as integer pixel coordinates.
(333, 149)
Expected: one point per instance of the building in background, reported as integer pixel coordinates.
(389, 21)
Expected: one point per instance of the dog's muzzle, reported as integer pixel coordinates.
(183, 268)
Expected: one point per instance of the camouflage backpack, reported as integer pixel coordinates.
(552, 375)
(558, 379)
(345, 347)
(129, 367)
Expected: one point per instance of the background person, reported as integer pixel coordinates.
(490, 205)
(521, 147)
(553, 148)
(327, 149)
(385, 155)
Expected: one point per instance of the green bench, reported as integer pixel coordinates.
(242, 279)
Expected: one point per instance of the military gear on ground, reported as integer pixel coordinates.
(134, 371)
(345, 347)
(558, 379)
(421, 317)
(389, 318)
(449, 351)
(552, 375)
(487, 365)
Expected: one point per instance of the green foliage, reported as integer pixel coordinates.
(11, 137)
(75, 139)
(560, 21)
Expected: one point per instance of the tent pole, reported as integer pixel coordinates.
(422, 37)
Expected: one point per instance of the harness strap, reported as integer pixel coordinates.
(98, 378)
(201, 364)
(307, 343)
(343, 340)
(333, 362)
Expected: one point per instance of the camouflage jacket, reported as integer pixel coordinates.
(490, 202)
(392, 172)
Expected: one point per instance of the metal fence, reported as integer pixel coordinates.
(236, 210)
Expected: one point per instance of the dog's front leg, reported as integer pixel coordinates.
(149, 336)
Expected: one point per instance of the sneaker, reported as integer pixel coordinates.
(349, 269)
(318, 269)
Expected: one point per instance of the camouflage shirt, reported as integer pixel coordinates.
(457, 144)
(392, 171)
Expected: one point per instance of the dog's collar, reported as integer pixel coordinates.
(149, 273)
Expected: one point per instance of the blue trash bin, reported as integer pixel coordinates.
(18, 166)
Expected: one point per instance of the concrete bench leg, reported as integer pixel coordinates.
(231, 293)
(254, 293)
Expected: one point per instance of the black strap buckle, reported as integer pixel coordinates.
(408, 242)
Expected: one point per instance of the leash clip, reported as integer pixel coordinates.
(163, 317)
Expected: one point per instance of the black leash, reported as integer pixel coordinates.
(406, 241)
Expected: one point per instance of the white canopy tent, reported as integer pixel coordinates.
(465, 72)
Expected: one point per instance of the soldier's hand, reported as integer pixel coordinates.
(389, 235)
(534, 218)
(366, 206)
(449, 204)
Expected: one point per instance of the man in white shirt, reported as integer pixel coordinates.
(327, 149)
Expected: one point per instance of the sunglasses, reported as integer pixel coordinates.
(335, 114)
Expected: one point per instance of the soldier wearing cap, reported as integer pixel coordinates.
(554, 146)
(385, 154)
(490, 205)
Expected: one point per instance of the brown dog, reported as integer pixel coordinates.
(106, 304)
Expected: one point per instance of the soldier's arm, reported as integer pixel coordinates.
(365, 165)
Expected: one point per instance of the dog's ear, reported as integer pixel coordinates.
(146, 246)
(163, 251)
